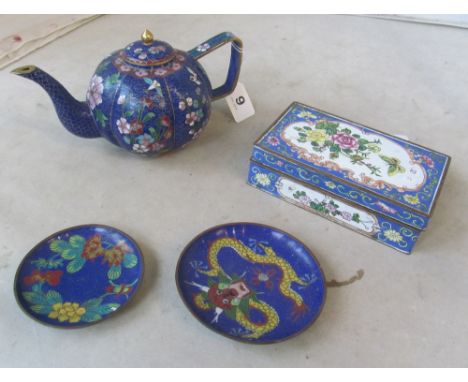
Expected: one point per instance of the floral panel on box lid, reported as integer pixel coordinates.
(391, 167)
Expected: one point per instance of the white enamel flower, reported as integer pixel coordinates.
(94, 94)
(121, 99)
(203, 47)
(262, 179)
(139, 148)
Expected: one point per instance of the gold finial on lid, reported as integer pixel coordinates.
(147, 37)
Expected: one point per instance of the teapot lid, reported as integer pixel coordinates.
(148, 51)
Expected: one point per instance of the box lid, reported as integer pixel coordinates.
(387, 166)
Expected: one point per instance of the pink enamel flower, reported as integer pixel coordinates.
(273, 141)
(94, 95)
(123, 126)
(428, 161)
(191, 118)
(345, 141)
(385, 208)
(304, 199)
(330, 207)
(157, 49)
(346, 215)
(141, 73)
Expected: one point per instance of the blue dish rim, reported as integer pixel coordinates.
(111, 314)
(179, 289)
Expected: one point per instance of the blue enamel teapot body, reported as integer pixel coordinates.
(147, 98)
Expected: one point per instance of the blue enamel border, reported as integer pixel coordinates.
(407, 235)
(428, 192)
(335, 187)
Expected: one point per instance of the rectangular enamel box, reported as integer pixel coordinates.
(376, 184)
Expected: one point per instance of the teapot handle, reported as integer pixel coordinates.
(234, 65)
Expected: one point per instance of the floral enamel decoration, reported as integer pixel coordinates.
(385, 207)
(358, 219)
(324, 205)
(412, 199)
(393, 235)
(262, 179)
(193, 108)
(147, 98)
(360, 156)
(328, 136)
(95, 90)
(78, 277)
(67, 311)
(203, 47)
(380, 185)
(78, 251)
(133, 124)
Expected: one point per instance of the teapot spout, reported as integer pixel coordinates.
(75, 116)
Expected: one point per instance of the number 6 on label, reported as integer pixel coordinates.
(240, 104)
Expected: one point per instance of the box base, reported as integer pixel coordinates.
(357, 218)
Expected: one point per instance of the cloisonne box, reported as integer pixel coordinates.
(376, 184)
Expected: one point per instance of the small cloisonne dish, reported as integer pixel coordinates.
(79, 276)
(251, 282)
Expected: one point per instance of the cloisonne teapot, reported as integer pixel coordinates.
(147, 98)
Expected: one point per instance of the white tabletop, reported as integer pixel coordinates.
(395, 76)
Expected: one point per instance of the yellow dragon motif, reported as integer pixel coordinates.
(288, 277)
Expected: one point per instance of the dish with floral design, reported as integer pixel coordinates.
(79, 276)
(251, 282)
